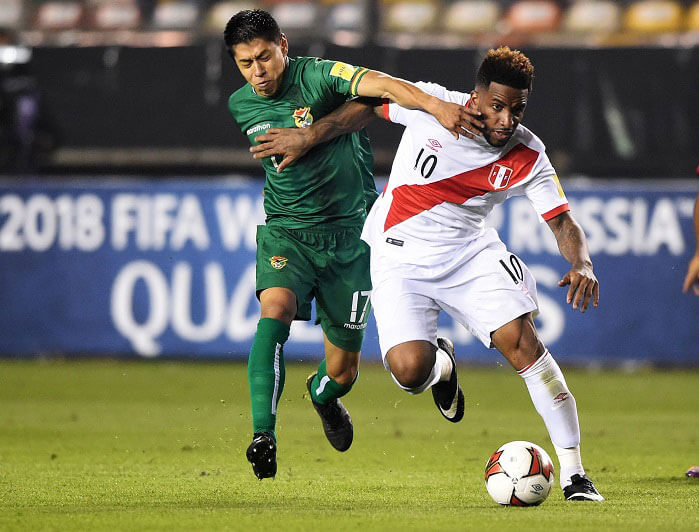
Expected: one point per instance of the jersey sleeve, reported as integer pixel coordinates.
(400, 115)
(339, 77)
(544, 190)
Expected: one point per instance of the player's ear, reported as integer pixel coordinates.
(473, 102)
(284, 43)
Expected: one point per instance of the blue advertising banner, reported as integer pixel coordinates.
(166, 267)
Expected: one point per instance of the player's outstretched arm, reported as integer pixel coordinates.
(692, 278)
(456, 118)
(581, 281)
(294, 143)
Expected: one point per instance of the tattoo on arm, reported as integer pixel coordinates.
(571, 239)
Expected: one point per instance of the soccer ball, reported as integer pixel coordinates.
(519, 473)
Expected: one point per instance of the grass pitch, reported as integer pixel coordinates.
(95, 445)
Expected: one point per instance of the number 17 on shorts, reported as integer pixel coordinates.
(360, 306)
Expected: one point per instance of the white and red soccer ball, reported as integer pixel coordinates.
(519, 473)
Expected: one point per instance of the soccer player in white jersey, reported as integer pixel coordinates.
(431, 251)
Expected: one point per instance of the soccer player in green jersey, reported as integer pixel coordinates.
(310, 246)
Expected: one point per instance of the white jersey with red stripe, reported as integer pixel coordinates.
(441, 189)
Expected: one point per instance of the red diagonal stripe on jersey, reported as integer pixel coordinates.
(409, 200)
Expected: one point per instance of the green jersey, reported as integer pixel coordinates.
(333, 183)
(363, 147)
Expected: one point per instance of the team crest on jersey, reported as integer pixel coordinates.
(278, 262)
(303, 117)
(500, 176)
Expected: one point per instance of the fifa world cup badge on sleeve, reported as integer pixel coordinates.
(342, 70)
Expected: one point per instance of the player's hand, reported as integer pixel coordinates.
(692, 278)
(582, 286)
(289, 143)
(458, 119)
(472, 125)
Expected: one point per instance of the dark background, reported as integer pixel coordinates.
(607, 112)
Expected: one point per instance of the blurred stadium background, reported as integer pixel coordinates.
(128, 201)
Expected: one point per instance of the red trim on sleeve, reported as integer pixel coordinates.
(555, 212)
(384, 105)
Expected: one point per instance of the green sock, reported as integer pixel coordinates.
(266, 373)
(324, 389)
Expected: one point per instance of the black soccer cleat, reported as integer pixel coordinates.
(262, 454)
(337, 422)
(447, 394)
(581, 489)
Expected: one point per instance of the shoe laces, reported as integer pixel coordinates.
(332, 412)
(582, 481)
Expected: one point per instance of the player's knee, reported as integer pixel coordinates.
(409, 372)
(279, 311)
(278, 304)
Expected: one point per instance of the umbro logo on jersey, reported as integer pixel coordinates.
(278, 262)
(500, 176)
(434, 144)
(303, 117)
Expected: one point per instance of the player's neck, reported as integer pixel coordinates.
(282, 83)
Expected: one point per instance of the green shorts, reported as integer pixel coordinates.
(328, 264)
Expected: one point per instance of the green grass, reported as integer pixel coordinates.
(94, 445)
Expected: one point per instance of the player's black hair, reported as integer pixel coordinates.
(251, 24)
(507, 67)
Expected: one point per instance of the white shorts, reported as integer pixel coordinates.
(481, 285)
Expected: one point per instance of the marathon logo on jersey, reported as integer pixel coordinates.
(355, 326)
(278, 262)
(343, 71)
(258, 128)
(500, 176)
(303, 117)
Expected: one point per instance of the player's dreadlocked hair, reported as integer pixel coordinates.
(507, 67)
(251, 24)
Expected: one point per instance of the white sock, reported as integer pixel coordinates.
(556, 405)
(441, 371)
(444, 365)
(570, 463)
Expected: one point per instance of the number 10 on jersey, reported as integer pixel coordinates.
(428, 164)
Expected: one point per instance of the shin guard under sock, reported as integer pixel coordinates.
(553, 401)
(266, 373)
(324, 389)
